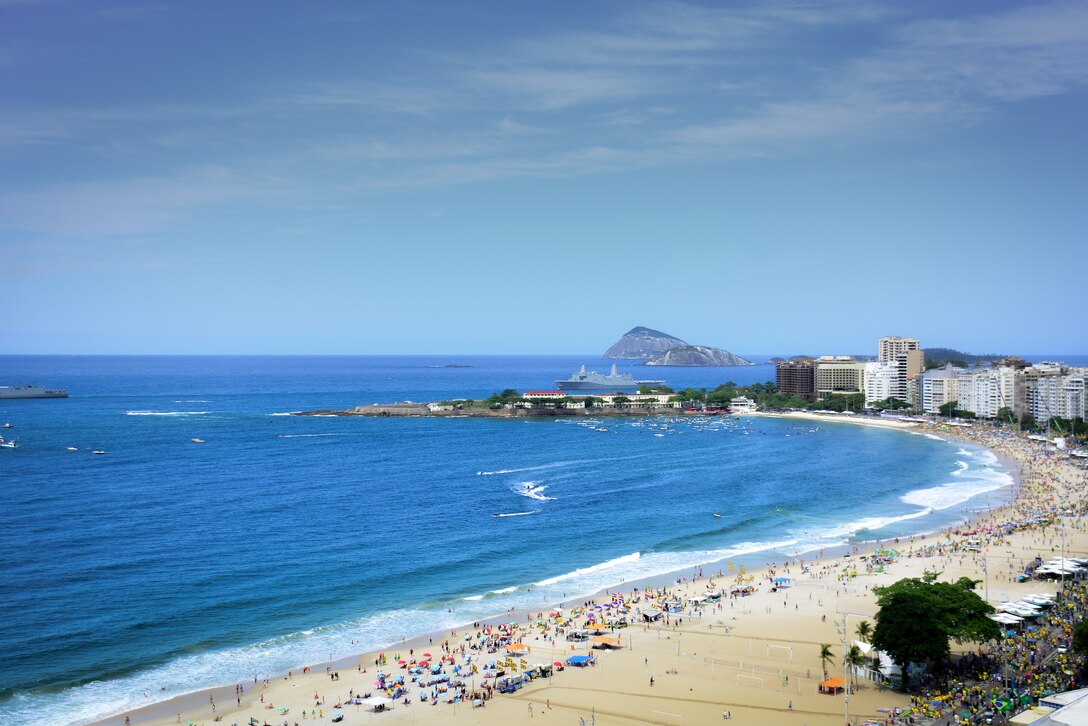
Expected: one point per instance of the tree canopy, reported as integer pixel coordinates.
(918, 617)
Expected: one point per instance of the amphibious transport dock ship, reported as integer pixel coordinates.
(30, 392)
(615, 382)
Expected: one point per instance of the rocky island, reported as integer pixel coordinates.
(697, 355)
(662, 349)
(640, 342)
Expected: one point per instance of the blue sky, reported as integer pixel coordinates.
(341, 177)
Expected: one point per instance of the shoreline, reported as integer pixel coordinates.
(837, 418)
(161, 712)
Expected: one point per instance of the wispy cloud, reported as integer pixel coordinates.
(662, 84)
(930, 72)
(125, 207)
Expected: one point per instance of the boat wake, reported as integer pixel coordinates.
(533, 490)
(516, 514)
(553, 465)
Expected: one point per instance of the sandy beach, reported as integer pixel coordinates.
(755, 656)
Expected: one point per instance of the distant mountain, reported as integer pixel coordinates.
(640, 342)
(942, 355)
(697, 355)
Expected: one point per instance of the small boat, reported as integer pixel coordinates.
(9, 445)
(198, 441)
(73, 448)
(717, 516)
(98, 452)
(8, 426)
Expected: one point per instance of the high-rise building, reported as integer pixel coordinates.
(1053, 391)
(984, 392)
(907, 356)
(796, 377)
(839, 375)
(1026, 399)
(891, 346)
(881, 381)
(939, 386)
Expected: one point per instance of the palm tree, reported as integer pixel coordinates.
(855, 658)
(826, 656)
(864, 631)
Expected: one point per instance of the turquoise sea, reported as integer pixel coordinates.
(165, 566)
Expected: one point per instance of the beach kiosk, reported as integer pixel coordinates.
(579, 661)
(832, 686)
(606, 641)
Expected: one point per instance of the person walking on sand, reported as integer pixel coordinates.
(530, 710)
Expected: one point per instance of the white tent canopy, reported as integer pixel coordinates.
(376, 701)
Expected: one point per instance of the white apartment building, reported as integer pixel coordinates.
(881, 381)
(1060, 395)
(986, 391)
(939, 386)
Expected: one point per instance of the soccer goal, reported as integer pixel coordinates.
(787, 648)
(749, 680)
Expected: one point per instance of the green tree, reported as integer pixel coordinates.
(864, 631)
(844, 402)
(692, 394)
(889, 404)
(1080, 642)
(947, 409)
(855, 659)
(722, 394)
(591, 401)
(826, 657)
(918, 616)
(620, 400)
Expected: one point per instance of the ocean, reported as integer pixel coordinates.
(166, 566)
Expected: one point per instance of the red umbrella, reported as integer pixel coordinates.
(426, 655)
(424, 664)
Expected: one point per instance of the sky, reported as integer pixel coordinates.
(261, 177)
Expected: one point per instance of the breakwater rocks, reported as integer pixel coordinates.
(438, 411)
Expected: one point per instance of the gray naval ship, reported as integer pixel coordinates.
(30, 392)
(585, 380)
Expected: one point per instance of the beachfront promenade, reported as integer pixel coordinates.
(755, 656)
